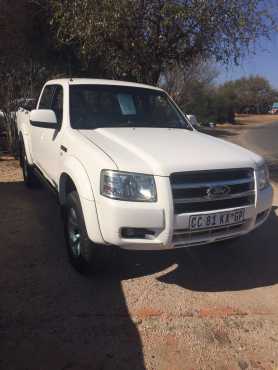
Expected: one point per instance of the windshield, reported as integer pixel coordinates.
(94, 106)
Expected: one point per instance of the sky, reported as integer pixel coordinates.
(264, 63)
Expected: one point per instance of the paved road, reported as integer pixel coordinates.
(212, 307)
(264, 138)
(261, 138)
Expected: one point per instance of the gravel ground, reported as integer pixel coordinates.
(210, 307)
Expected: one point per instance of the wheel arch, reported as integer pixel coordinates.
(74, 177)
(66, 185)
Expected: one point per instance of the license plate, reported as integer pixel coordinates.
(216, 219)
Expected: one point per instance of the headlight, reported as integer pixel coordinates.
(133, 187)
(263, 177)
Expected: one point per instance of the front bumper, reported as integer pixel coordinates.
(170, 230)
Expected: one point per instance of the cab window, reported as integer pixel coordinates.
(57, 104)
(46, 98)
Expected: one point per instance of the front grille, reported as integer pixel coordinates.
(192, 190)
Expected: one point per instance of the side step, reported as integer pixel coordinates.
(45, 182)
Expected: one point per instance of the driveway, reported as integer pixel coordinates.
(210, 307)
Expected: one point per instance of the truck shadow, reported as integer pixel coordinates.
(245, 263)
(50, 316)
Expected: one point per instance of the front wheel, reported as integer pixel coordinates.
(81, 250)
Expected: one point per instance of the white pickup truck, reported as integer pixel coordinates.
(131, 172)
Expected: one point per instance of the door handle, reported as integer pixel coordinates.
(62, 147)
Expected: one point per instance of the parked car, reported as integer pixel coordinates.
(274, 109)
(131, 172)
(8, 127)
(22, 103)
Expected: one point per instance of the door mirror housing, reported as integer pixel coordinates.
(193, 120)
(45, 118)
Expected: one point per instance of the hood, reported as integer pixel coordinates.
(162, 151)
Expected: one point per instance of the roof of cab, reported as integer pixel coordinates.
(95, 81)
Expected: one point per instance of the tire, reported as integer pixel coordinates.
(30, 179)
(81, 251)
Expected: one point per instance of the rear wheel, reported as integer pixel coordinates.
(81, 250)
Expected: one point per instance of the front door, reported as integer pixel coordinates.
(46, 141)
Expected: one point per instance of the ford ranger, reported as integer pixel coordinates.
(131, 172)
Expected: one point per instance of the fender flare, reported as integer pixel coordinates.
(73, 168)
(24, 141)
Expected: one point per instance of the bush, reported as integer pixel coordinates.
(209, 105)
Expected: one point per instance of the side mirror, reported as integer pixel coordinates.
(45, 118)
(193, 120)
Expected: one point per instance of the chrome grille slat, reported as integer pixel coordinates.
(203, 199)
(212, 183)
(191, 190)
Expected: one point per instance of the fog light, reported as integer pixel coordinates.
(137, 233)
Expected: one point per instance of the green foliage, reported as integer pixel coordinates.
(129, 39)
(195, 90)
(209, 105)
(139, 40)
(252, 94)
(219, 104)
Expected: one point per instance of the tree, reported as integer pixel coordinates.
(252, 94)
(139, 40)
(179, 82)
(27, 57)
(195, 91)
(27, 41)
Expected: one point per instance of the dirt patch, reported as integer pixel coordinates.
(9, 169)
(147, 312)
(256, 119)
(220, 312)
(249, 120)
